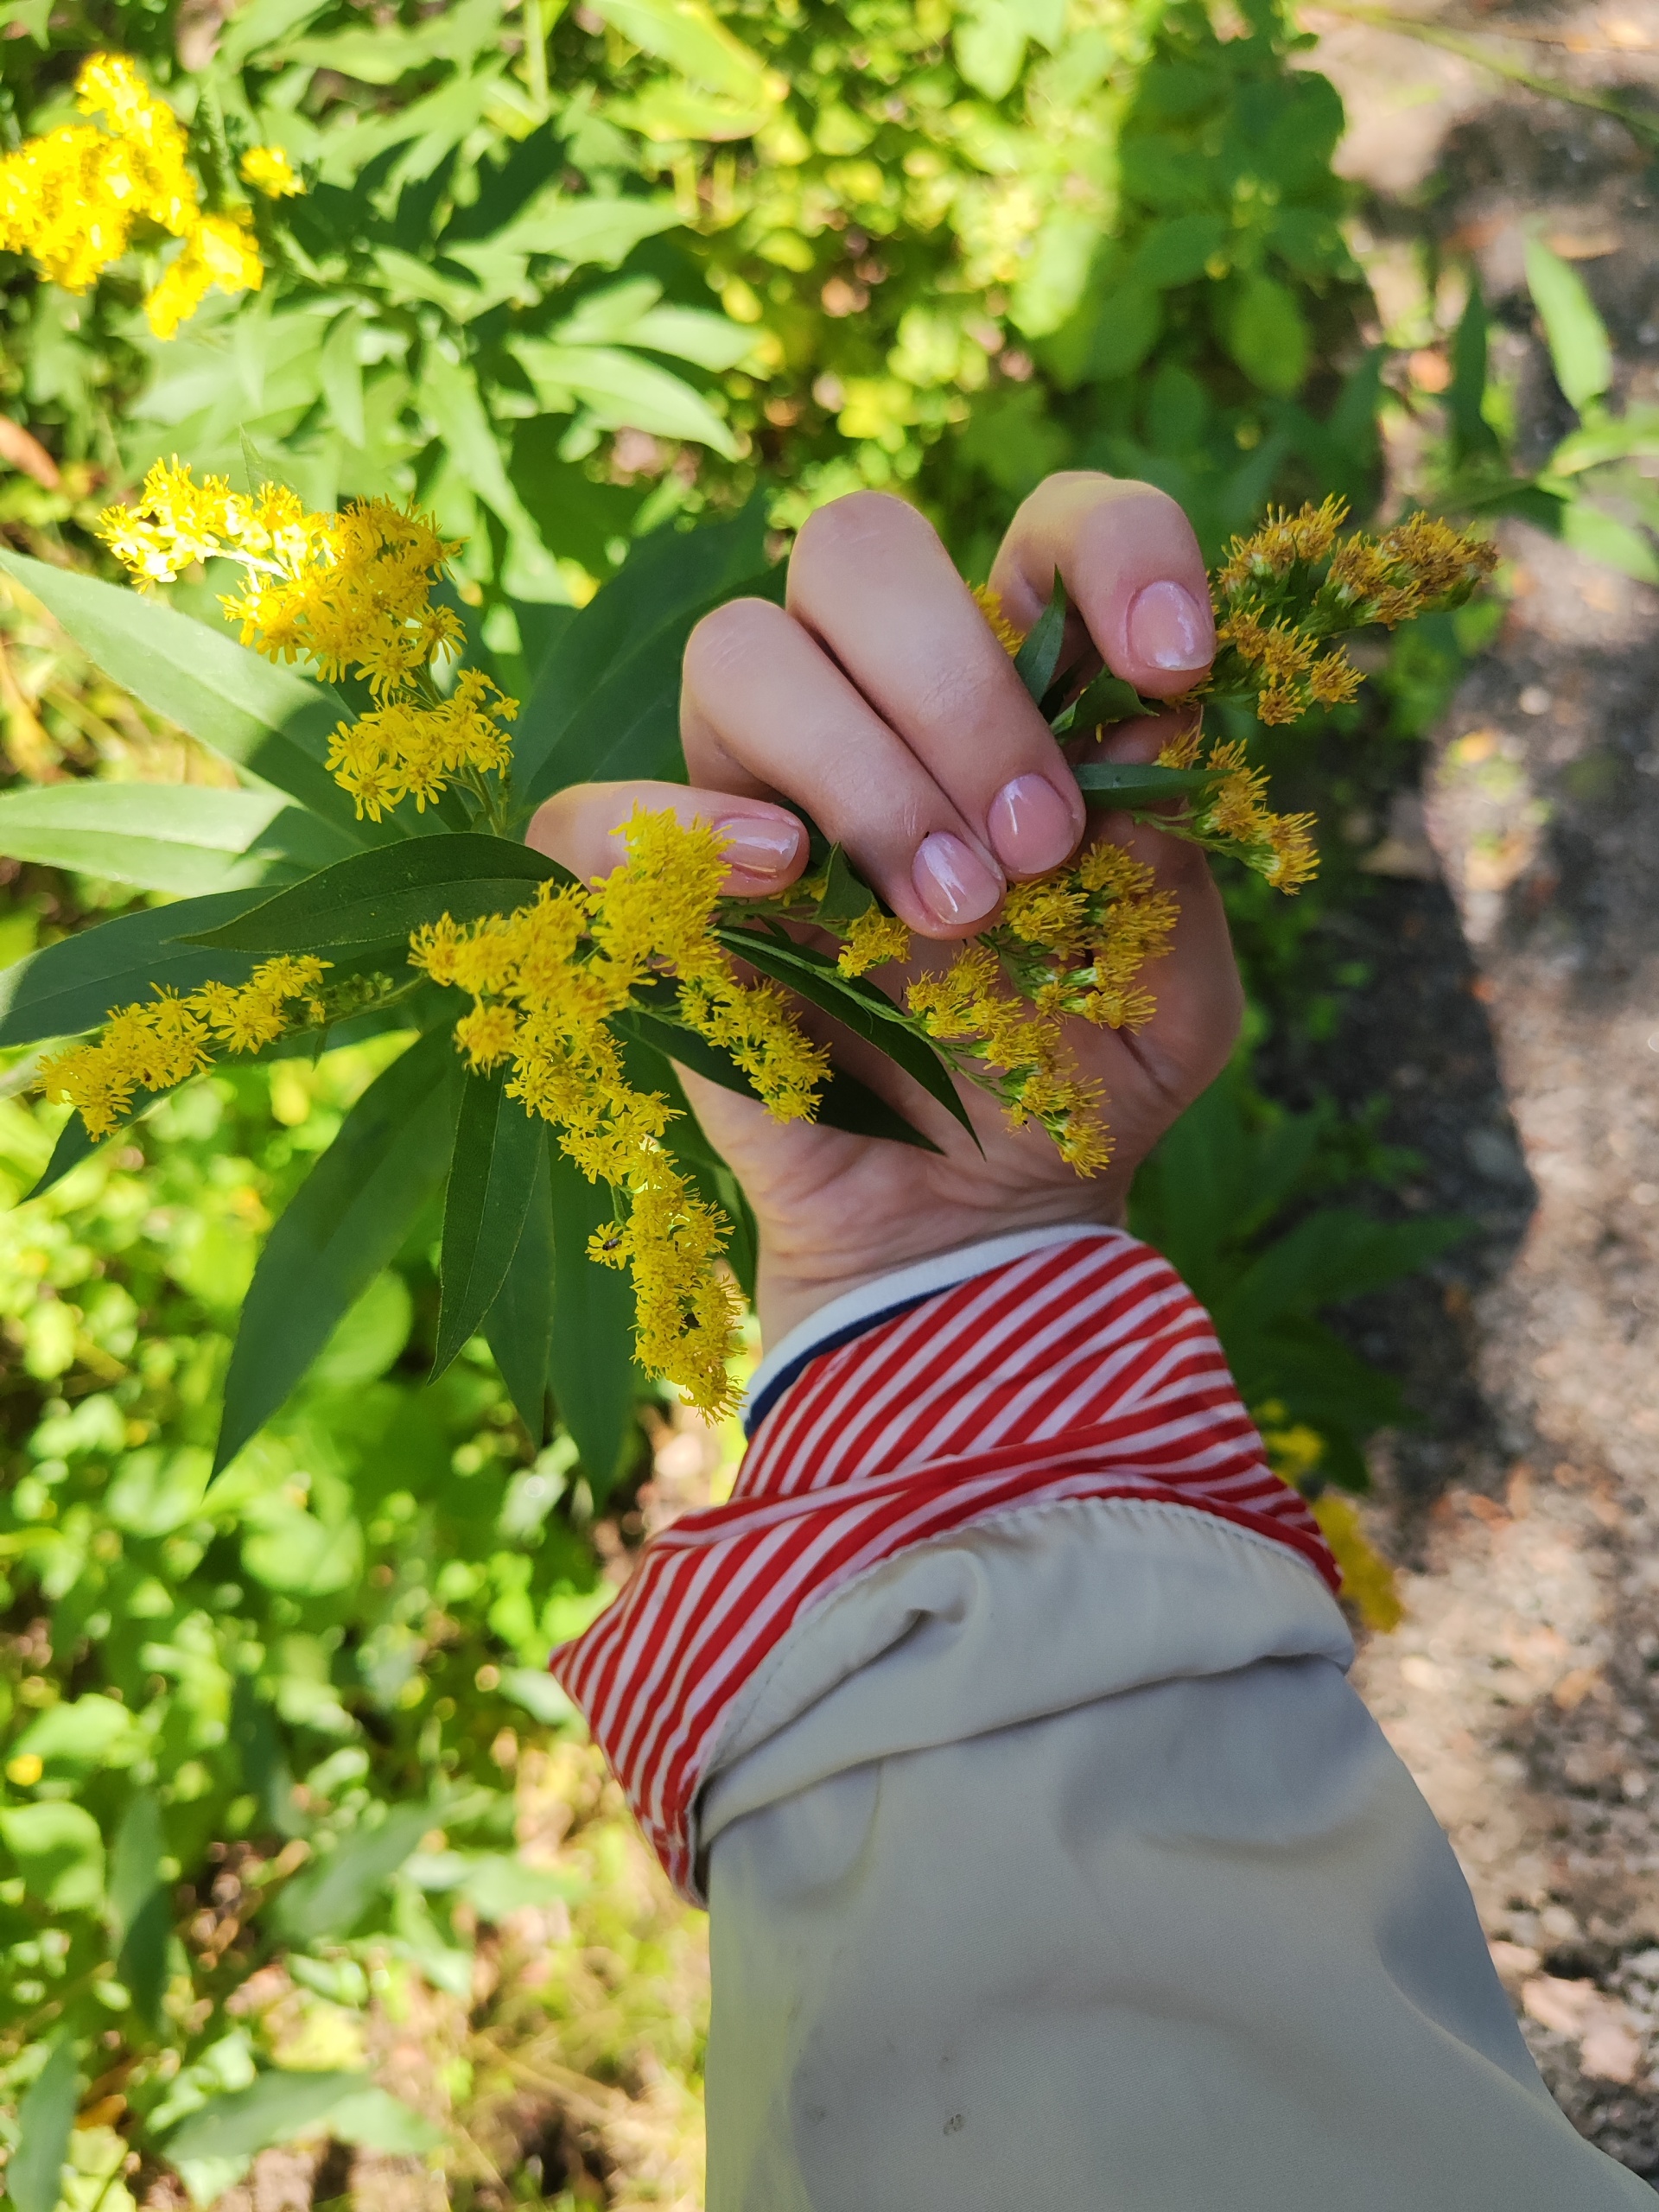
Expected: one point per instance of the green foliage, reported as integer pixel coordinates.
(282, 1658)
(1213, 1198)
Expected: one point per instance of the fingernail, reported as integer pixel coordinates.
(1030, 826)
(760, 844)
(953, 883)
(1168, 628)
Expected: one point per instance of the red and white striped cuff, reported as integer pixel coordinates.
(1082, 1369)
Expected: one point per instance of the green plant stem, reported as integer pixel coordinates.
(1641, 127)
(535, 30)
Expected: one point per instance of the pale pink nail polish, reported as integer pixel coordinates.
(1169, 629)
(760, 844)
(1030, 826)
(952, 882)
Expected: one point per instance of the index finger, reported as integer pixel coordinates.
(1132, 567)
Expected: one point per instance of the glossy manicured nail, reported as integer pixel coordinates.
(1030, 826)
(1169, 629)
(953, 883)
(760, 844)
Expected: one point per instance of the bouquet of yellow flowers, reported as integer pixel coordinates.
(381, 883)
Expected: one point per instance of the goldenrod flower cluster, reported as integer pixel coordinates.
(545, 981)
(1290, 586)
(351, 591)
(406, 749)
(155, 1044)
(970, 1004)
(1078, 941)
(268, 169)
(1234, 817)
(873, 939)
(73, 198)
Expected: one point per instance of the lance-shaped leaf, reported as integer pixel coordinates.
(34, 2175)
(74, 1145)
(1039, 656)
(858, 1006)
(590, 1364)
(491, 1177)
(846, 894)
(333, 1894)
(182, 838)
(1107, 699)
(845, 1102)
(606, 699)
(141, 1903)
(1127, 785)
(287, 2103)
(378, 899)
(263, 717)
(69, 986)
(519, 1327)
(340, 1228)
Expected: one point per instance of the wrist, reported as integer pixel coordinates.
(795, 1279)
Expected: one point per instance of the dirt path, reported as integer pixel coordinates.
(1518, 1039)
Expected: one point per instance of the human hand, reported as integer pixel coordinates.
(880, 702)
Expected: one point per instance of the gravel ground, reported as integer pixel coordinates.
(1515, 1027)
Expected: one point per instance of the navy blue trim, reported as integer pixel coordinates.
(791, 1371)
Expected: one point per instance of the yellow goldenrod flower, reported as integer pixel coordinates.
(873, 939)
(268, 169)
(219, 250)
(73, 198)
(156, 1044)
(546, 979)
(990, 606)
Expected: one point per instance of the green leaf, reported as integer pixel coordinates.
(1332, 1255)
(1039, 656)
(340, 1230)
(1267, 334)
(33, 2174)
(1471, 434)
(59, 1853)
(292, 1550)
(844, 1103)
(1131, 783)
(1580, 350)
(182, 838)
(491, 1175)
(1107, 699)
(590, 1363)
(340, 372)
(858, 1006)
(606, 701)
(621, 392)
(846, 894)
(140, 1901)
(332, 1895)
(1592, 531)
(589, 228)
(68, 987)
(691, 38)
(73, 1145)
(450, 392)
(377, 899)
(373, 2119)
(79, 1735)
(281, 2106)
(266, 719)
(518, 1326)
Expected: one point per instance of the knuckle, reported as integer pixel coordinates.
(849, 525)
(725, 639)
